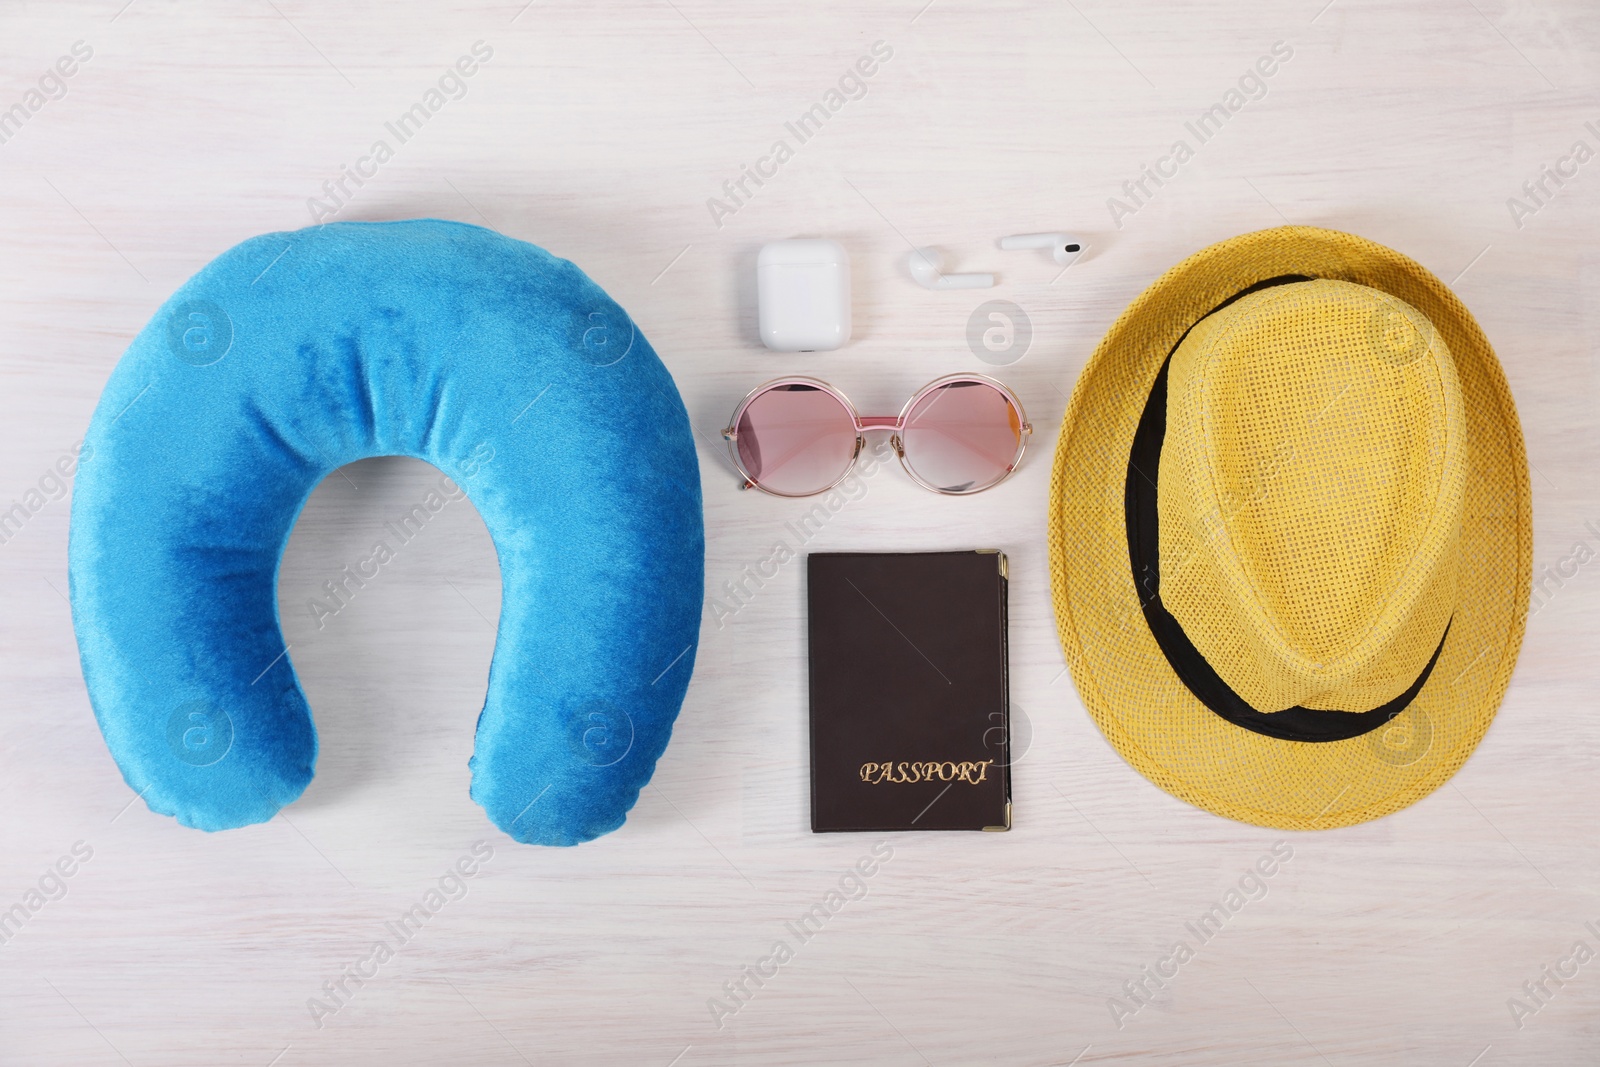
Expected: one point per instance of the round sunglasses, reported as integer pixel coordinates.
(799, 436)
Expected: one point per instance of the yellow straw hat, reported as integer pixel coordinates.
(1290, 535)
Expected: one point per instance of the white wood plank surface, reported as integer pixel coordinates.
(600, 132)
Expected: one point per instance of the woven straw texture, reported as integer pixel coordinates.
(1301, 615)
(1310, 494)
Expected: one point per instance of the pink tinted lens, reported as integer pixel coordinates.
(795, 439)
(962, 437)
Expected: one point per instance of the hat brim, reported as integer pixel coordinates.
(1136, 699)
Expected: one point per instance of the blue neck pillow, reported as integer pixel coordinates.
(296, 353)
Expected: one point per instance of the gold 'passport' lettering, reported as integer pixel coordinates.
(905, 772)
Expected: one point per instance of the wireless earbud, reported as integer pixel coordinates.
(1064, 248)
(924, 264)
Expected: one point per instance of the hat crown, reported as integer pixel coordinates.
(1310, 494)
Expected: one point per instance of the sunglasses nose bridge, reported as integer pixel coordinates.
(889, 424)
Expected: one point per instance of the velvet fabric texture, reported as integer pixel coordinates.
(296, 353)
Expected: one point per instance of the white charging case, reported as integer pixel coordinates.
(803, 295)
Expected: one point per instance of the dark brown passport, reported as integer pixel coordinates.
(909, 710)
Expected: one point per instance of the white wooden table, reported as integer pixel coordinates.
(600, 132)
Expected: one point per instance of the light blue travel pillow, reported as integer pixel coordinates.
(296, 353)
